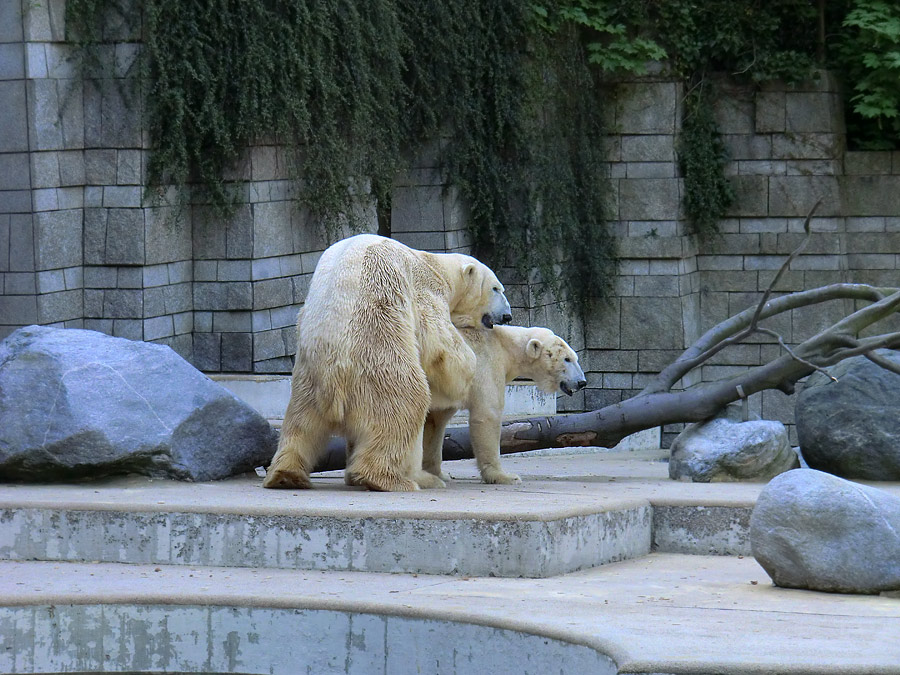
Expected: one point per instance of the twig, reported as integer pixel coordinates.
(879, 360)
(793, 355)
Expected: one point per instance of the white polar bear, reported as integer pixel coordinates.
(377, 345)
(503, 354)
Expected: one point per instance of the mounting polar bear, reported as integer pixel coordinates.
(377, 346)
(503, 354)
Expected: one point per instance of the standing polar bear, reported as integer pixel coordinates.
(503, 354)
(377, 345)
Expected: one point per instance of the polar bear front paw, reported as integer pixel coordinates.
(429, 480)
(286, 480)
(497, 477)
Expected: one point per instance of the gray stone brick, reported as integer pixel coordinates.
(11, 22)
(154, 303)
(272, 293)
(729, 280)
(203, 322)
(650, 170)
(656, 286)
(44, 169)
(51, 281)
(282, 317)
(205, 270)
(13, 112)
(261, 320)
(180, 272)
(62, 306)
(748, 147)
(649, 199)
(795, 196)
(763, 262)
(807, 146)
(45, 131)
(208, 234)
(264, 162)
(15, 201)
(58, 239)
(45, 199)
(99, 325)
(763, 167)
(130, 277)
(595, 399)
(870, 224)
(158, 327)
(183, 322)
(128, 167)
(265, 268)
(770, 112)
(100, 277)
(167, 236)
(751, 196)
(123, 304)
(301, 287)
(127, 196)
(734, 114)
(100, 166)
(417, 209)
(239, 233)
(648, 148)
(603, 326)
(155, 275)
(232, 322)
(93, 196)
(178, 298)
(291, 265)
(70, 198)
(423, 241)
(719, 262)
(71, 167)
(237, 352)
(19, 283)
(124, 237)
(272, 229)
(14, 172)
(221, 296)
(279, 365)
(233, 270)
(646, 108)
(130, 329)
(268, 345)
(120, 113)
(870, 195)
(310, 260)
(93, 304)
(19, 310)
(74, 277)
(812, 112)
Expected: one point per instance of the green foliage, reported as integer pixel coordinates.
(348, 86)
(868, 53)
(702, 157)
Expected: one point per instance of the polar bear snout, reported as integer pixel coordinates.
(574, 380)
(499, 311)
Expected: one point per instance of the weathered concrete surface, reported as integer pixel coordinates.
(660, 614)
(701, 530)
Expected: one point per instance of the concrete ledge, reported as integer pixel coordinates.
(503, 548)
(702, 530)
(200, 639)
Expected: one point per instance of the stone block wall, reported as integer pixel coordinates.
(82, 245)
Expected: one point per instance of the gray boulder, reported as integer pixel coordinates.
(813, 530)
(77, 403)
(725, 449)
(851, 427)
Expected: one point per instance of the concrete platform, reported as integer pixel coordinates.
(242, 584)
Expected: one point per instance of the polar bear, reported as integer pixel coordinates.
(503, 354)
(377, 345)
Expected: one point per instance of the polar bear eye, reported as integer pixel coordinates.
(496, 289)
(568, 360)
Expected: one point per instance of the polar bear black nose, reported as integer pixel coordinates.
(581, 384)
(506, 318)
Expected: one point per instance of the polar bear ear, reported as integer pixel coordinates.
(468, 271)
(533, 348)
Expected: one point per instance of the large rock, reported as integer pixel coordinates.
(851, 427)
(813, 530)
(76, 403)
(725, 449)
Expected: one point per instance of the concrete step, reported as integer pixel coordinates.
(663, 613)
(570, 513)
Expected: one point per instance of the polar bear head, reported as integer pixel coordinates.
(479, 298)
(553, 365)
